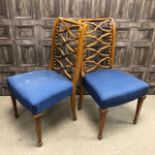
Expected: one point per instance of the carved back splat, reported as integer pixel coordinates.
(67, 47)
(99, 44)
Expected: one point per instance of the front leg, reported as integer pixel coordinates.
(102, 115)
(37, 119)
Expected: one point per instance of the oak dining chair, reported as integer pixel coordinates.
(108, 87)
(40, 90)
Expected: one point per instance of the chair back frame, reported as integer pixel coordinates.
(108, 33)
(63, 31)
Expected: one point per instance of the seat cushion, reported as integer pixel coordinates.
(111, 87)
(39, 90)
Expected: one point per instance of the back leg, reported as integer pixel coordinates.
(73, 104)
(14, 106)
(80, 97)
(139, 106)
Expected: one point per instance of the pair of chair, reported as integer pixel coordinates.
(81, 49)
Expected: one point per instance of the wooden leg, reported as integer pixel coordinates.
(139, 106)
(81, 97)
(37, 119)
(14, 106)
(73, 104)
(102, 115)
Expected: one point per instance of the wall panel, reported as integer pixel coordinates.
(26, 25)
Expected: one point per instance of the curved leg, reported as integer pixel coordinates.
(37, 119)
(102, 115)
(14, 106)
(80, 96)
(73, 104)
(139, 106)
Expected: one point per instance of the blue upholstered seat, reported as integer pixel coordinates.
(39, 90)
(111, 87)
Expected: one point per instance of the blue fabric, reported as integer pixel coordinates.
(111, 87)
(39, 90)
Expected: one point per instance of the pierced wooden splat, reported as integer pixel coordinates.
(65, 47)
(99, 44)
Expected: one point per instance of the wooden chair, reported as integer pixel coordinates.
(108, 87)
(40, 90)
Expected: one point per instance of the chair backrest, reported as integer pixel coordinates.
(99, 44)
(67, 47)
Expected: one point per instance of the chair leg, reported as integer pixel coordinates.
(14, 106)
(73, 104)
(80, 97)
(37, 119)
(102, 115)
(139, 106)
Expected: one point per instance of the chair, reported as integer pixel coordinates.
(108, 87)
(40, 90)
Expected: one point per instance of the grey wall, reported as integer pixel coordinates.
(25, 33)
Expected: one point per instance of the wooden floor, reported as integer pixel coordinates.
(62, 136)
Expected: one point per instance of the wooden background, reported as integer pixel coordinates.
(25, 33)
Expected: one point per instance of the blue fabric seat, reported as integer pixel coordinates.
(111, 87)
(39, 90)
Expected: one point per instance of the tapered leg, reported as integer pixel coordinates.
(14, 106)
(139, 106)
(37, 119)
(102, 115)
(81, 97)
(73, 104)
